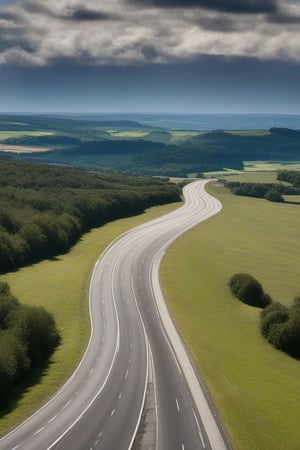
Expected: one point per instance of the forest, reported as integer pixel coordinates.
(45, 209)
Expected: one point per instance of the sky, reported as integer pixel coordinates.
(176, 56)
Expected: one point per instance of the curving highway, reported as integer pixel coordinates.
(133, 341)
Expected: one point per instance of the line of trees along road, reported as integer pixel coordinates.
(45, 209)
(28, 336)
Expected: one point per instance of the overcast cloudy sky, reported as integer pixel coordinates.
(150, 55)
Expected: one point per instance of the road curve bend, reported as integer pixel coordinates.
(101, 405)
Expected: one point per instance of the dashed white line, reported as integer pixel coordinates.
(17, 446)
(51, 420)
(91, 371)
(120, 395)
(67, 404)
(100, 434)
(112, 413)
(182, 447)
(126, 374)
(177, 405)
(39, 431)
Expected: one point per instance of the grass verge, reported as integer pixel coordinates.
(61, 286)
(256, 388)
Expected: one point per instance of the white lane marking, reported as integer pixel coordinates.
(67, 404)
(177, 405)
(97, 442)
(129, 362)
(147, 368)
(100, 434)
(112, 413)
(51, 420)
(91, 371)
(171, 349)
(39, 431)
(199, 429)
(155, 395)
(15, 448)
(120, 395)
(126, 374)
(182, 447)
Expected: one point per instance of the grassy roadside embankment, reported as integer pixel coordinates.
(256, 388)
(61, 286)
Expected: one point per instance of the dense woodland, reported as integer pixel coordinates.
(45, 209)
(28, 336)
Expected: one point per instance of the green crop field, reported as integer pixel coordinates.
(256, 388)
(61, 286)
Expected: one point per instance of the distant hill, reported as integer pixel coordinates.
(127, 145)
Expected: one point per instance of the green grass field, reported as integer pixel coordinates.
(61, 286)
(255, 166)
(255, 387)
(130, 134)
(261, 132)
(252, 177)
(17, 134)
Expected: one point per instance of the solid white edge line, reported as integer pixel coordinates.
(199, 428)
(211, 427)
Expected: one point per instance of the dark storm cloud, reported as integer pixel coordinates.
(84, 14)
(217, 23)
(36, 7)
(33, 32)
(149, 52)
(231, 6)
(284, 18)
(8, 42)
(78, 14)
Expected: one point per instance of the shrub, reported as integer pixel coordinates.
(273, 314)
(248, 290)
(281, 326)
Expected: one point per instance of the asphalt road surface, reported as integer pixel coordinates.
(101, 405)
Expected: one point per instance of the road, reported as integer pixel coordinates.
(132, 338)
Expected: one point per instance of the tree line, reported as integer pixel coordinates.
(45, 209)
(270, 191)
(28, 336)
(290, 176)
